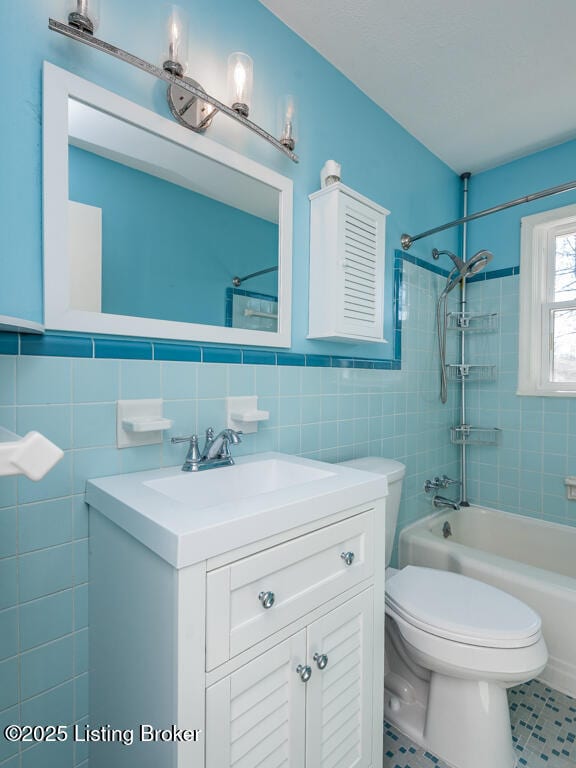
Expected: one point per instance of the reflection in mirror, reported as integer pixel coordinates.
(161, 245)
(162, 239)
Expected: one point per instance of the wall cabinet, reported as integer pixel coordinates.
(273, 651)
(347, 249)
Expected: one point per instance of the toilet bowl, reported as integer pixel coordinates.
(453, 647)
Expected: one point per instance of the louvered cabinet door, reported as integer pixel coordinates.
(361, 278)
(347, 251)
(257, 714)
(339, 695)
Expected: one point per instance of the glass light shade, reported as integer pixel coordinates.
(240, 81)
(176, 55)
(84, 14)
(287, 122)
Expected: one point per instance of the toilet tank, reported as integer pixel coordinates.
(394, 471)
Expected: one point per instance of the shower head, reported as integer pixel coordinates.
(463, 269)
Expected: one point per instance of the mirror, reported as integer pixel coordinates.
(153, 231)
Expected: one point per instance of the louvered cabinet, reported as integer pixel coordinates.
(347, 249)
(271, 714)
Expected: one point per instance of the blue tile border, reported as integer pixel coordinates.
(80, 345)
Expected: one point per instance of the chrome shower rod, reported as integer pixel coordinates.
(161, 74)
(407, 240)
(239, 280)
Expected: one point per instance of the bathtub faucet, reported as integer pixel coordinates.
(441, 501)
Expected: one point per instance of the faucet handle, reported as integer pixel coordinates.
(446, 481)
(189, 439)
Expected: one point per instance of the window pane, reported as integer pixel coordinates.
(565, 268)
(564, 351)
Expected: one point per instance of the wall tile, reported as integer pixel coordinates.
(45, 667)
(8, 683)
(139, 379)
(44, 524)
(94, 425)
(54, 707)
(179, 381)
(45, 571)
(8, 582)
(95, 381)
(46, 619)
(8, 633)
(7, 749)
(53, 421)
(7, 380)
(8, 527)
(43, 380)
(57, 483)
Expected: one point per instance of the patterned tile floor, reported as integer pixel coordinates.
(543, 730)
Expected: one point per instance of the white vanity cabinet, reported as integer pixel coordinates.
(273, 650)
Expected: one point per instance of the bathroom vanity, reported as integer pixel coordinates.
(244, 606)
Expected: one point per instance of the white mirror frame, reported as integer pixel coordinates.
(59, 86)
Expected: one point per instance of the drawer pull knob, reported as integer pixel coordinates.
(348, 557)
(305, 672)
(321, 660)
(267, 599)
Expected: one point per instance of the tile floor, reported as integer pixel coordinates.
(543, 730)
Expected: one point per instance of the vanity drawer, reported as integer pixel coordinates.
(292, 578)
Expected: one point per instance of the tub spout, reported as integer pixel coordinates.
(441, 501)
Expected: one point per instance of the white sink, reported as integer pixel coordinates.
(187, 517)
(222, 485)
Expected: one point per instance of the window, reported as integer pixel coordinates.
(547, 333)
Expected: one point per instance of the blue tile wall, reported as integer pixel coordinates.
(328, 408)
(525, 472)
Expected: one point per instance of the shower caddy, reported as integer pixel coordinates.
(464, 322)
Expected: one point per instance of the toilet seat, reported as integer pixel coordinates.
(460, 609)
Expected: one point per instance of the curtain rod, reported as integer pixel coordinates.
(407, 240)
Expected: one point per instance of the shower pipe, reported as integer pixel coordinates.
(407, 240)
(465, 177)
(237, 281)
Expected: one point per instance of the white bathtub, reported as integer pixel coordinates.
(531, 559)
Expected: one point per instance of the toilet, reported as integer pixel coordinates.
(453, 647)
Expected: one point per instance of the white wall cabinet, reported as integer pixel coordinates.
(274, 651)
(347, 251)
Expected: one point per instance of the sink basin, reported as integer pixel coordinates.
(188, 517)
(224, 485)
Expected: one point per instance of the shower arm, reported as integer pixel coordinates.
(407, 240)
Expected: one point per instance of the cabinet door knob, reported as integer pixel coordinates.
(267, 599)
(321, 660)
(305, 672)
(348, 557)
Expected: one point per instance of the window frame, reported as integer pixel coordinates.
(537, 270)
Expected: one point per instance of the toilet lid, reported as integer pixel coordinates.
(456, 607)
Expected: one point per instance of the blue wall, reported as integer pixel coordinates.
(379, 158)
(168, 253)
(329, 413)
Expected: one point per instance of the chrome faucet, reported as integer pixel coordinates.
(216, 451)
(441, 501)
(218, 448)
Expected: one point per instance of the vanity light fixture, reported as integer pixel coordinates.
(188, 101)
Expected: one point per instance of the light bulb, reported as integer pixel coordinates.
(177, 33)
(287, 122)
(240, 79)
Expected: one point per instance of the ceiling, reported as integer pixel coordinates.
(478, 82)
